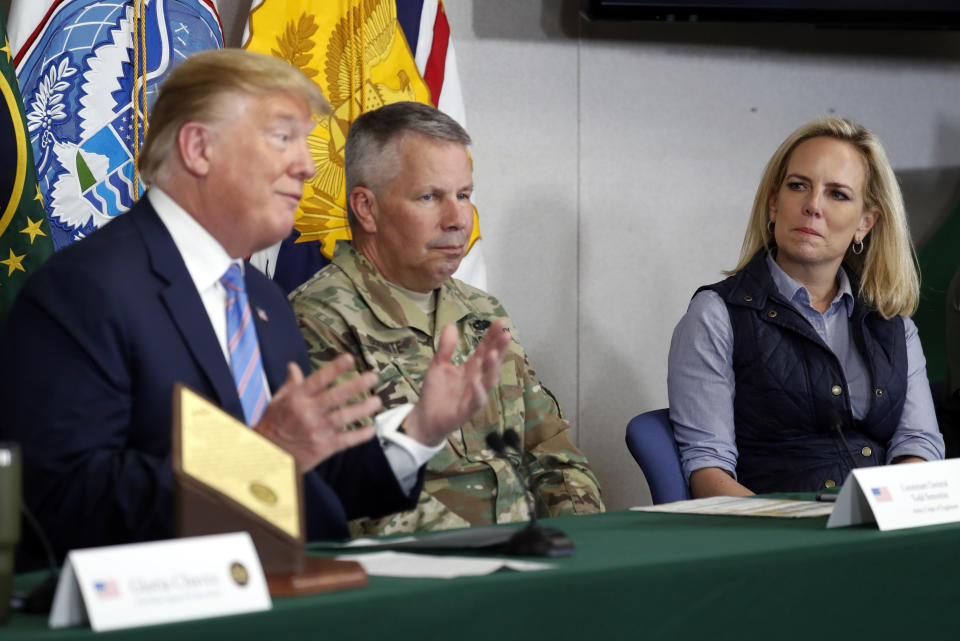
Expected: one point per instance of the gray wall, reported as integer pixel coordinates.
(616, 164)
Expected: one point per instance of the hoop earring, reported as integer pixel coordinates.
(770, 226)
(857, 247)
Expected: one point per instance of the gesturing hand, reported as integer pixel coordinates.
(304, 417)
(451, 394)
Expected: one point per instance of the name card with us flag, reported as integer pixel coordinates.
(126, 586)
(900, 496)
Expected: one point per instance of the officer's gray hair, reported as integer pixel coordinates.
(371, 156)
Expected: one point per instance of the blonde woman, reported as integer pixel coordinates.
(804, 363)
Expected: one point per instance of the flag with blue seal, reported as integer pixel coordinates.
(88, 73)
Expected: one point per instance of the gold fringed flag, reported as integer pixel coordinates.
(24, 235)
(357, 52)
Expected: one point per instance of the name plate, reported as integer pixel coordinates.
(125, 586)
(900, 496)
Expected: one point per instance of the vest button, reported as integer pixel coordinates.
(879, 392)
(866, 451)
(836, 390)
(829, 483)
(748, 299)
(772, 313)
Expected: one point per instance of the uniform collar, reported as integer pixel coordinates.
(389, 304)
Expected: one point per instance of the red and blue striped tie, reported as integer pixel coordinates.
(244, 348)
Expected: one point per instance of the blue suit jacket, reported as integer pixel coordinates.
(88, 360)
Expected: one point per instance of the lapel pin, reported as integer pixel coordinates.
(263, 315)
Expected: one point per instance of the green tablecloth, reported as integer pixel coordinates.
(638, 576)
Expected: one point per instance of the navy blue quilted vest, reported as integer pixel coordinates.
(791, 393)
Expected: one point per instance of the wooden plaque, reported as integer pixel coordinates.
(228, 478)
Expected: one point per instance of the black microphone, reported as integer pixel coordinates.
(835, 424)
(534, 539)
(499, 445)
(512, 440)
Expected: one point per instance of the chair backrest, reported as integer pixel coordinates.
(650, 441)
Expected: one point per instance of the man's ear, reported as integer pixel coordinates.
(363, 203)
(193, 144)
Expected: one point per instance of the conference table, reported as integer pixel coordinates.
(633, 575)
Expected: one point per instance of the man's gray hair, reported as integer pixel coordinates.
(370, 153)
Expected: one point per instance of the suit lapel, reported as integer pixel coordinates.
(185, 309)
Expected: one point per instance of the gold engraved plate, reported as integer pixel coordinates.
(228, 456)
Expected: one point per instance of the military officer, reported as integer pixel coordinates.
(386, 299)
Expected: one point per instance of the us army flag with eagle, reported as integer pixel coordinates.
(362, 54)
(24, 234)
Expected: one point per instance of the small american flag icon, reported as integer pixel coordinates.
(106, 589)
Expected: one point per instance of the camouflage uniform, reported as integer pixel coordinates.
(348, 307)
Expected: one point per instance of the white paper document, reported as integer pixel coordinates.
(403, 564)
(900, 496)
(743, 506)
(472, 538)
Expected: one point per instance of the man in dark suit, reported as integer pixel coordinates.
(101, 333)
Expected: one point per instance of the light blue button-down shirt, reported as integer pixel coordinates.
(701, 383)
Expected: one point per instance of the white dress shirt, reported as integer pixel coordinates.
(206, 261)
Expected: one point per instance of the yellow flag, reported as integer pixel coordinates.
(355, 51)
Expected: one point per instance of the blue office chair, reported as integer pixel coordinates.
(650, 440)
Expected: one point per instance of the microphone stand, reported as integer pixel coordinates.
(835, 423)
(533, 539)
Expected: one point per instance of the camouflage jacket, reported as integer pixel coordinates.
(348, 307)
